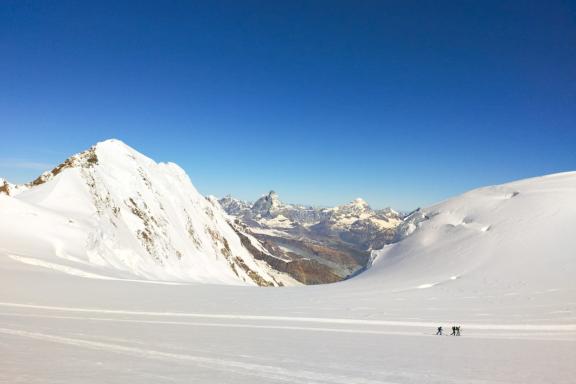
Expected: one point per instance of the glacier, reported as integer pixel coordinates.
(83, 300)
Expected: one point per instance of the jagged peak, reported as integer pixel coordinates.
(267, 203)
(272, 195)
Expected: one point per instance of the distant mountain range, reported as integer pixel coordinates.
(336, 241)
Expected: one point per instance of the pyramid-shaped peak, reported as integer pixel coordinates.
(267, 203)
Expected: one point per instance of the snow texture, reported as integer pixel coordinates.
(498, 261)
(112, 211)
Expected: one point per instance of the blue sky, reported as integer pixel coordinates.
(402, 103)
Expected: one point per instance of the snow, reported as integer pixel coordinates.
(499, 261)
(279, 221)
(116, 331)
(112, 211)
(509, 239)
(384, 224)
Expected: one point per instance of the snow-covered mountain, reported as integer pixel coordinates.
(513, 239)
(270, 211)
(354, 223)
(357, 224)
(113, 211)
(334, 242)
(234, 207)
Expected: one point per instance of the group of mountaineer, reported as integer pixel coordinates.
(455, 331)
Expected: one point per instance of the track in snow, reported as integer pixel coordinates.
(549, 332)
(213, 346)
(264, 371)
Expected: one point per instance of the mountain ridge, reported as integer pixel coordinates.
(140, 217)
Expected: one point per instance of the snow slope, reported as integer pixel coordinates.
(499, 261)
(111, 211)
(502, 240)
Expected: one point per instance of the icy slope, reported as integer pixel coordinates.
(509, 239)
(112, 210)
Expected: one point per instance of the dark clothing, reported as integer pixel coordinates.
(439, 331)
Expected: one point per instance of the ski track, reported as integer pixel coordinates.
(264, 371)
(523, 336)
(420, 324)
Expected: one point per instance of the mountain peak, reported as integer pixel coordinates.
(114, 148)
(141, 218)
(267, 204)
(357, 204)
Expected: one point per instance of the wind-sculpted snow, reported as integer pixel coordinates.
(499, 240)
(114, 210)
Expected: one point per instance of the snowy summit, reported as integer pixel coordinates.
(112, 211)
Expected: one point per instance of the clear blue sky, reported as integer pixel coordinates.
(402, 103)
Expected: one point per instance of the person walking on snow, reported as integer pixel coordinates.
(453, 331)
(439, 331)
(458, 331)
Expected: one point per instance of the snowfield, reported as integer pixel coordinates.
(498, 261)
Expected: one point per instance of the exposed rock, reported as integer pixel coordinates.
(328, 243)
(85, 159)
